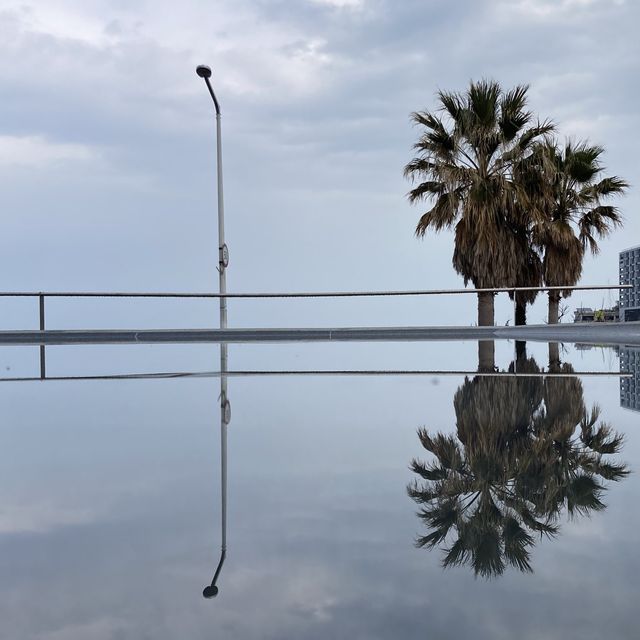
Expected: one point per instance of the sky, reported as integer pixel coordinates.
(107, 165)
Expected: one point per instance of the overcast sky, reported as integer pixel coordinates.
(107, 172)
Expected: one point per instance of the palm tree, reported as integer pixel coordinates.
(513, 466)
(574, 216)
(464, 169)
(528, 214)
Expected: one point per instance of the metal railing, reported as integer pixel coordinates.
(43, 295)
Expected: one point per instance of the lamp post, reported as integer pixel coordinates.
(225, 408)
(223, 252)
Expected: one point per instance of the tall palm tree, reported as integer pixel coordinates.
(527, 214)
(574, 213)
(524, 452)
(464, 168)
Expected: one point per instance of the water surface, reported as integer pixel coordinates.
(110, 499)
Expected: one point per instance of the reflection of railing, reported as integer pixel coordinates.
(258, 373)
(42, 296)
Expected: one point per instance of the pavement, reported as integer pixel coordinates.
(627, 333)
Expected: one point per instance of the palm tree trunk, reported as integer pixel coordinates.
(520, 320)
(554, 356)
(486, 356)
(554, 347)
(554, 306)
(485, 310)
(521, 312)
(486, 348)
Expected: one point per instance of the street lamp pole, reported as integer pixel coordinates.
(225, 408)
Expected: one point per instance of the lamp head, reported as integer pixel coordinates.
(210, 591)
(203, 71)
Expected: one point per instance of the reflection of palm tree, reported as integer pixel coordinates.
(524, 451)
(572, 468)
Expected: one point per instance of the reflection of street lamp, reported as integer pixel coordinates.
(225, 408)
(211, 591)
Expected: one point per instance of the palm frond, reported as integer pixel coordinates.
(426, 189)
(482, 101)
(452, 103)
(442, 215)
(609, 186)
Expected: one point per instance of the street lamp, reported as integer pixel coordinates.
(223, 252)
(211, 591)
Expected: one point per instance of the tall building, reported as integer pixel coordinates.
(630, 387)
(630, 274)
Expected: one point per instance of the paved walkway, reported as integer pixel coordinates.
(587, 333)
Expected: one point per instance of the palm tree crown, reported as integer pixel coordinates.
(464, 168)
(572, 200)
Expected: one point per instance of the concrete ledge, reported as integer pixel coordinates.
(588, 333)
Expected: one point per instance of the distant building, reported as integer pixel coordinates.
(630, 274)
(630, 387)
(587, 314)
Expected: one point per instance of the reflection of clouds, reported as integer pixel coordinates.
(591, 530)
(312, 593)
(293, 580)
(43, 517)
(315, 553)
(100, 629)
(37, 152)
(305, 591)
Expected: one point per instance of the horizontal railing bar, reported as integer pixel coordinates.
(325, 372)
(310, 294)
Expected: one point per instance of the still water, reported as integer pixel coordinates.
(358, 506)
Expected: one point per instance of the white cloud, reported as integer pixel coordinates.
(275, 60)
(543, 9)
(341, 4)
(63, 23)
(37, 152)
(593, 128)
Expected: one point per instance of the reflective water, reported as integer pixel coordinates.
(358, 507)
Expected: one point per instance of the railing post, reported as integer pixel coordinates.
(43, 371)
